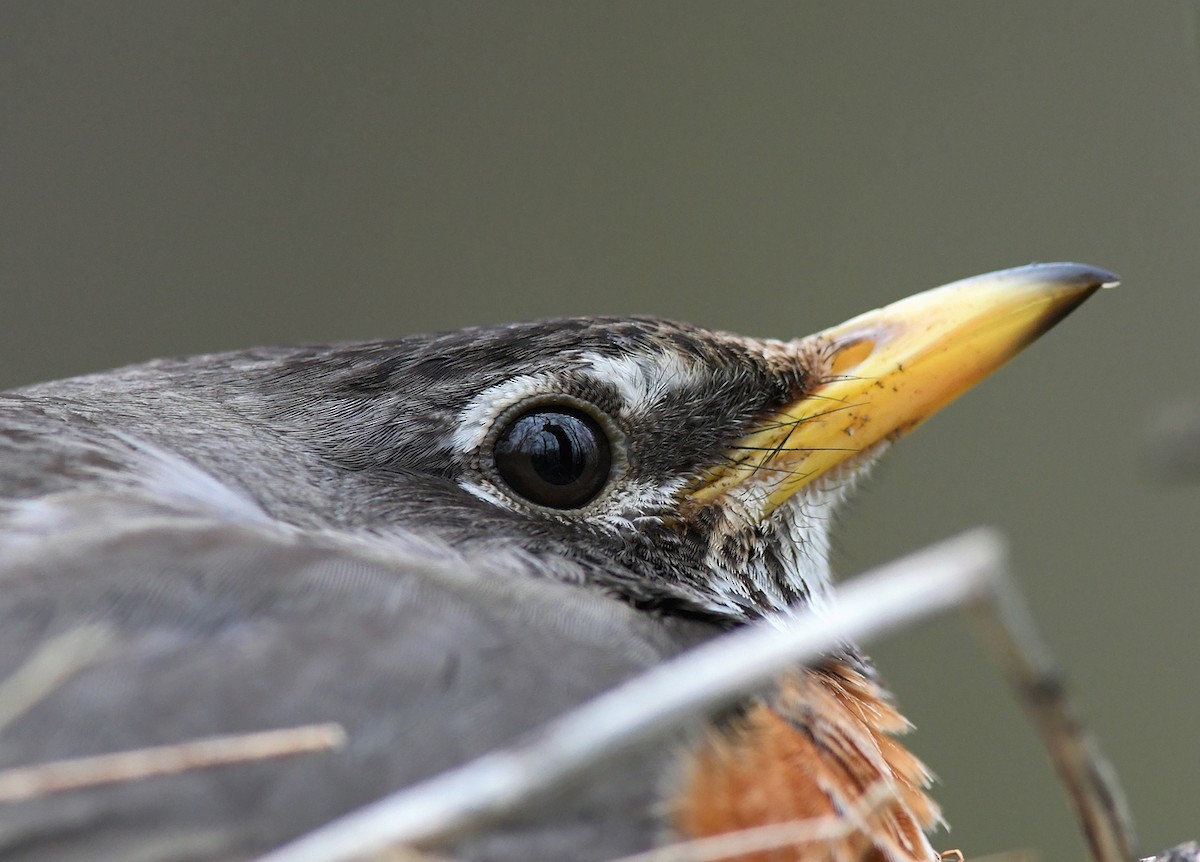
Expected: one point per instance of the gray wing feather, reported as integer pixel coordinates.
(232, 627)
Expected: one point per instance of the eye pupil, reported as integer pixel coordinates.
(554, 456)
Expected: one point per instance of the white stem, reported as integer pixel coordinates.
(947, 575)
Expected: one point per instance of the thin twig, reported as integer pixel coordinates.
(948, 575)
(1022, 854)
(28, 782)
(1090, 781)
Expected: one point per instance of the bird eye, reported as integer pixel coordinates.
(554, 456)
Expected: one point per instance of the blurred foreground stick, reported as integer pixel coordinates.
(968, 571)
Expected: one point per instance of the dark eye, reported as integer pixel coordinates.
(554, 456)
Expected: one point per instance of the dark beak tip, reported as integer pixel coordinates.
(1067, 274)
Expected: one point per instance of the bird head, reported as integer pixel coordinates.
(685, 470)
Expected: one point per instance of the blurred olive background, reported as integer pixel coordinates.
(187, 177)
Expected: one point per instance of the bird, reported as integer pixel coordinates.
(439, 542)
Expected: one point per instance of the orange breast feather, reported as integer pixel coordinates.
(820, 757)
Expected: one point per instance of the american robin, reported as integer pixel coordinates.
(443, 541)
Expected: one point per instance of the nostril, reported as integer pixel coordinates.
(849, 357)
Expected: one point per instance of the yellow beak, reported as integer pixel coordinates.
(884, 372)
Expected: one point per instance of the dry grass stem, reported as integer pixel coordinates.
(773, 836)
(28, 782)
